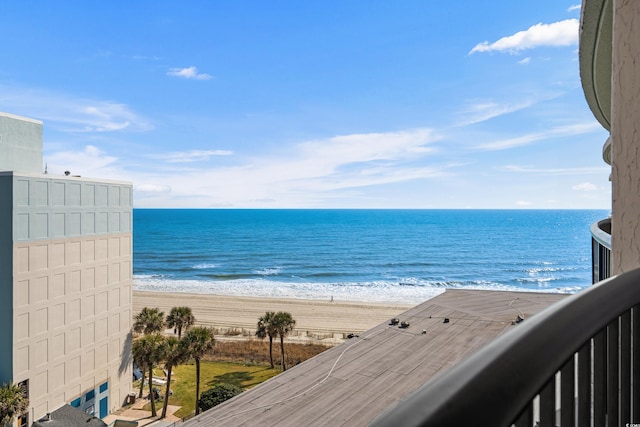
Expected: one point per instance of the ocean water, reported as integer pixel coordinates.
(398, 256)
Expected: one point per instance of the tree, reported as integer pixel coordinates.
(174, 353)
(148, 349)
(283, 324)
(149, 321)
(265, 329)
(199, 341)
(13, 402)
(218, 394)
(180, 318)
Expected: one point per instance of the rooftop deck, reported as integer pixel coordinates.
(355, 382)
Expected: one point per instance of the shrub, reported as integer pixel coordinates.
(218, 394)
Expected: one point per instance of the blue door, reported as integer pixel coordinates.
(104, 407)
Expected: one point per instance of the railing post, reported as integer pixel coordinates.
(567, 394)
(584, 385)
(635, 361)
(548, 404)
(613, 379)
(625, 367)
(599, 379)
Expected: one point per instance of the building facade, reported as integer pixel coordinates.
(65, 280)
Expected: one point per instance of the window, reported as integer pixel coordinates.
(104, 387)
(23, 420)
(90, 395)
(75, 403)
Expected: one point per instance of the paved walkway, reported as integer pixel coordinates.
(136, 413)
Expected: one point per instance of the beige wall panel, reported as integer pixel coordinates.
(57, 286)
(114, 247)
(88, 334)
(57, 376)
(114, 324)
(40, 353)
(114, 273)
(102, 303)
(73, 340)
(102, 352)
(88, 251)
(126, 296)
(73, 369)
(88, 278)
(39, 385)
(88, 362)
(72, 282)
(72, 253)
(22, 359)
(38, 257)
(125, 321)
(88, 306)
(22, 326)
(57, 255)
(21, 262)
(102, 249)
(102, 327)
(73, 311)
(21, 298)
(102, 276)
(38, 290)
(114, 299)
(58, 346)
(57, 316)
(39, 322)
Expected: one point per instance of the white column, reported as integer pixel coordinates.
(625, 134)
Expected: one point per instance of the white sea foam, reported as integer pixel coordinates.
(405, 292)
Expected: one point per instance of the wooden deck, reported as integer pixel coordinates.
(353, 383)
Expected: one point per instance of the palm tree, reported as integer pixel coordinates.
(13, 401)
(174, 353)
(283, 323)
(199, 341)
(138, 358)
(180, 318)
(149, 321)
(149, 349)
(265, 329)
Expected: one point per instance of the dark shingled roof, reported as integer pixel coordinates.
(68, 416)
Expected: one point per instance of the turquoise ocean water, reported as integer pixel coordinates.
(400, 256)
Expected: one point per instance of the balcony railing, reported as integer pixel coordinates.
(577, 363)
(601, 250)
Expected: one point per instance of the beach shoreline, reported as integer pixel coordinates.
(316, 320)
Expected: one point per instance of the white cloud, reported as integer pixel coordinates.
(152, 188)
(485, 110)
(525, 60)
(585, 186)
(523, 203)
(574, 7)
(191, 156)
(189, 73)
(568, 130)
(557, 171)
(309, 174)
(90, 162)
(562, 33)
(72, 114)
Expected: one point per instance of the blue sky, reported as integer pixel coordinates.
(311, 104)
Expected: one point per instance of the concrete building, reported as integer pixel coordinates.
(65, 280)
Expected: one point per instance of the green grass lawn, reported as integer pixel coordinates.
(183, 381)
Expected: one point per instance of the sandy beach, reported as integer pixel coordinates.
(315, 319)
